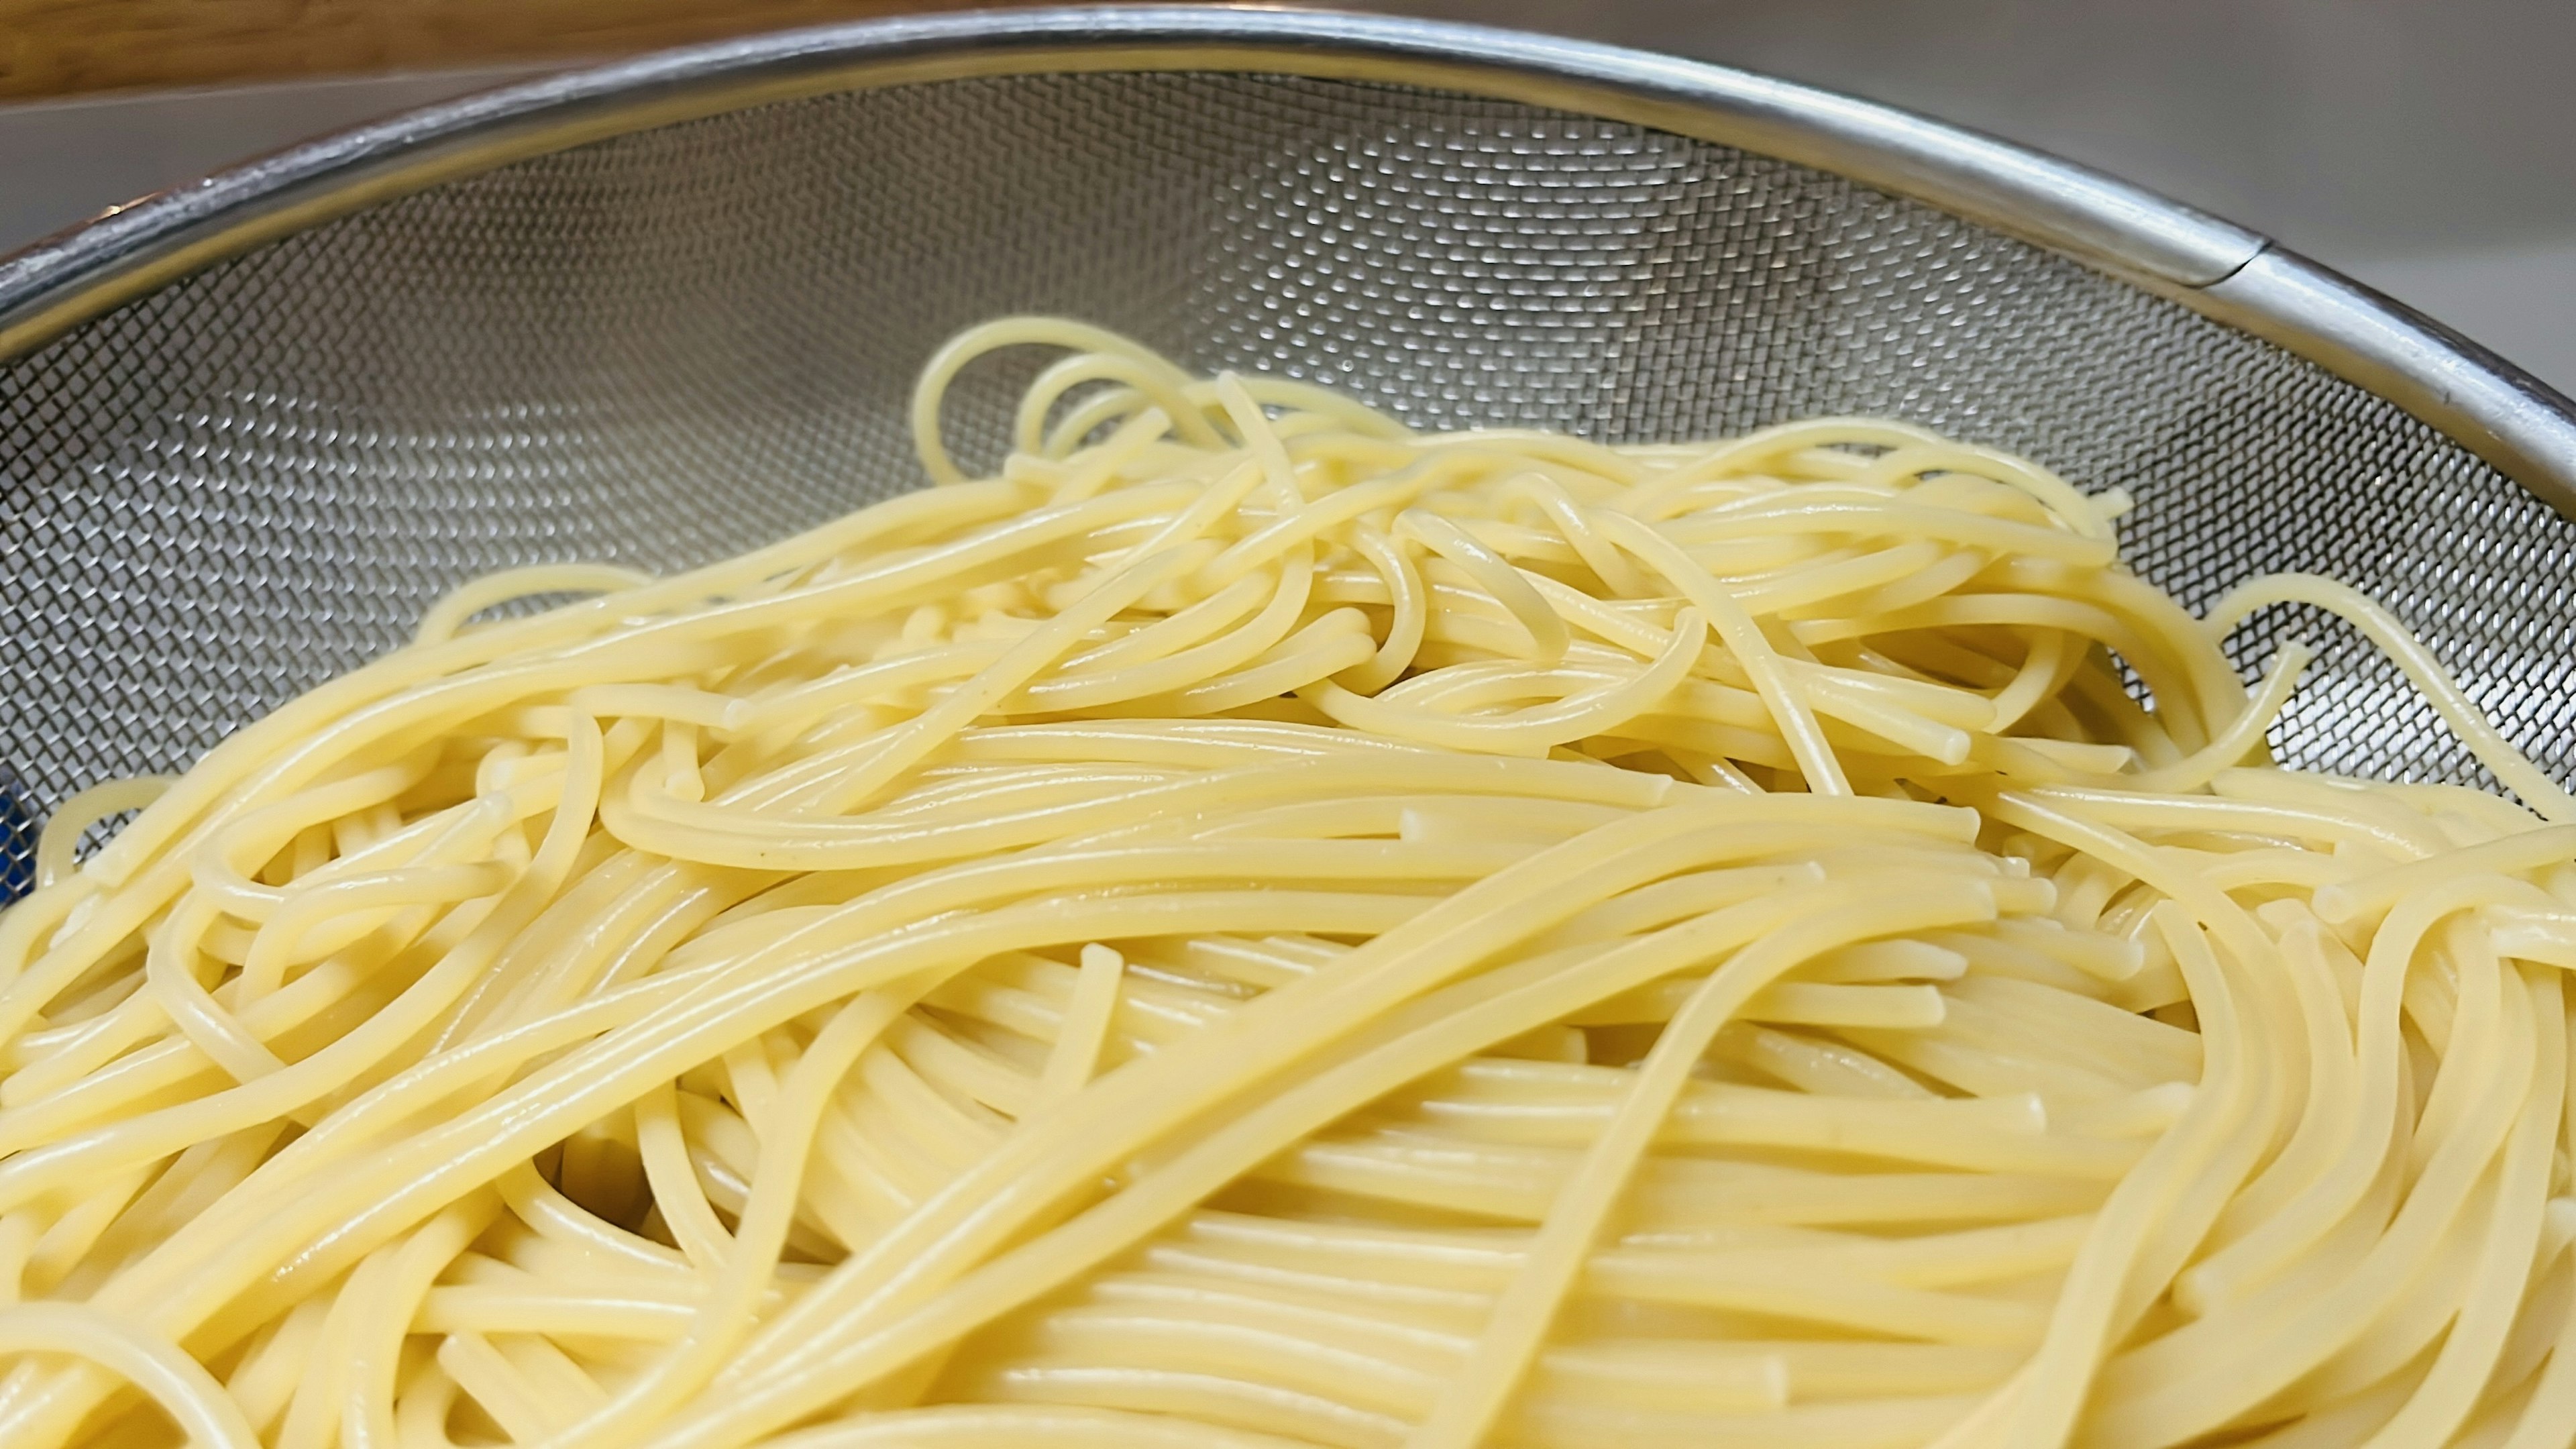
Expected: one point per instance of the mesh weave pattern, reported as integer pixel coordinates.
(667, 347)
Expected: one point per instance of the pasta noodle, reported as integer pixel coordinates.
(1251, 926)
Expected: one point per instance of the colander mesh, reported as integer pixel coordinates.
(667, 347)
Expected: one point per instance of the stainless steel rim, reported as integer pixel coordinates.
(2488, 405)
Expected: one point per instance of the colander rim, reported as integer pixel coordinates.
(2490, 406)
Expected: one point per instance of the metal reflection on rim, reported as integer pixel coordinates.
(2236, 276)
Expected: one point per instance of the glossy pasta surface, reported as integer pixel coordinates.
(1254, 927)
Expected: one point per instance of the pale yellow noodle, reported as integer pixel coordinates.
(1255, 927)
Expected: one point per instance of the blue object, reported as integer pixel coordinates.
(17, 839)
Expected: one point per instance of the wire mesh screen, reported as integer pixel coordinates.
(667, 347)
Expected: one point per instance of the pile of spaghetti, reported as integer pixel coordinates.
(1257, 927)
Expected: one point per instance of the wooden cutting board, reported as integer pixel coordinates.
(71, 47)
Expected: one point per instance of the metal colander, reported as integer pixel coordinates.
(663, 312)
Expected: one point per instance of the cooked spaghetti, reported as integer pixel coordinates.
(1257, 927)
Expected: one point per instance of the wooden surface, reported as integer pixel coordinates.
(71, 47)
